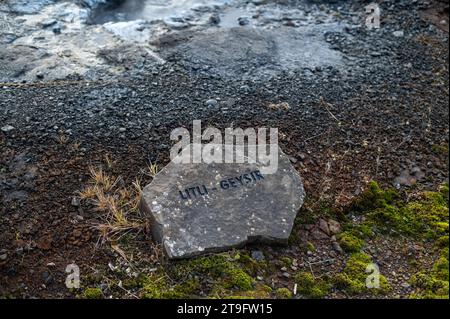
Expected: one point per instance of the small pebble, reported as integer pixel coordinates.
(398, 34)
(212, 102)
(75, 202)
(7, 128)
(258, 255)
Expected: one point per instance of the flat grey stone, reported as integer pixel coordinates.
(200, 208)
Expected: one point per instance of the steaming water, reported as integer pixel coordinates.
(151, 10)
(97, 39)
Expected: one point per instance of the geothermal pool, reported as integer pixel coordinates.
(57, 39)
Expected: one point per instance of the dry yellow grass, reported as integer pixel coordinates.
(89, 192)
(62, 138)
(109, 162)
(153, 169)
(104, 181)
(136, 199)
(118, 205)
(279, 106)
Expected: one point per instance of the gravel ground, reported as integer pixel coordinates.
(378, 110)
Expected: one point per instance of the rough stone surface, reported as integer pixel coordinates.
(258, 255)
(262, 208)
(334, 226)
(229, 52)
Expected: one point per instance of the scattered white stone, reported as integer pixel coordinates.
(75, 201)
(398, 34)
(111, 266)
(405, 285)
(7, 128)
(211, 102)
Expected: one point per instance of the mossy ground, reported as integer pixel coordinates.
(92, 293)
(350, 242)
(310, 287)
(385, 212)
(433, 284)
(353, 278)
(425, 218)
(226, 274)
(283, 293)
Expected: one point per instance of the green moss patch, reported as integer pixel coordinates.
(156, 287)
(349, 242)
(310, 287)
(440, 148)
(92, 293)
(352, 280)
(433, 284)
(252, 266)
(283, 293)
(424, 217)
(260, 292)
(226, 271)
(374, 197)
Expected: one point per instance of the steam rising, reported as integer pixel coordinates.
(125, 10)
